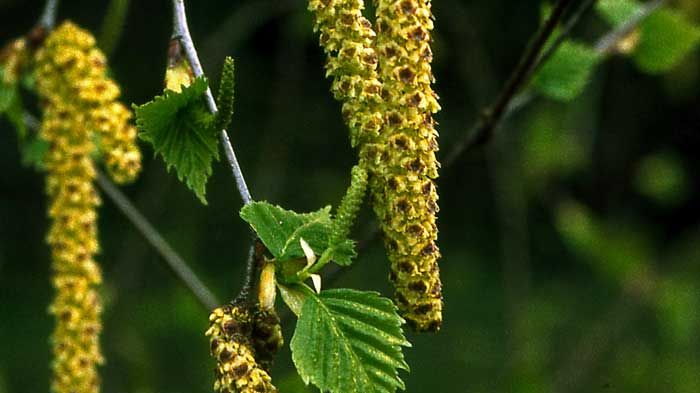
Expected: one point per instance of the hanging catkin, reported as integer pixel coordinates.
(384, 82)
(236, 371)
(79, 108)
(405, 195)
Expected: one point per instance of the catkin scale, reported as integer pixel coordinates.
(383, 81)
(237, 370)
(79, 107)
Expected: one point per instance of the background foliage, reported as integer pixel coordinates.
(570, 242)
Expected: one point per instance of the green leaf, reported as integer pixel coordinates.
(617, 12)
(662, 178)
(564, 76)
(348, 341)
(281, 230)
(11, 105)
(179, 126)
(665, 37)
(294, 296)
(343, 252)
(33, 151)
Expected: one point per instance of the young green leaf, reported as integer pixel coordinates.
(564, 76)
(281, 231)
(179, 127)
(348, 341)
(665, 36)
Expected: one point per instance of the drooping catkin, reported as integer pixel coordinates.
(79, 107)
(237, 370)
(383, 81)
(347, 38)
(405, 194)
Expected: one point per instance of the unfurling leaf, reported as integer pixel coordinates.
(348, 341)
(179, 127)
(282, 232)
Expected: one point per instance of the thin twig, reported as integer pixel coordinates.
(604, 46)
(182, 32)
(564, 33)
(492, 116)
(176, 264)
(608, 43)
(48, 17)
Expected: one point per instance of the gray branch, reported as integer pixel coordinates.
(182, 32)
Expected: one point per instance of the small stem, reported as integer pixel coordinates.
(176, 264)
(182, 32)
(113, 25)
(48, 17)
(255, 258)
(564, 32)
(519, 77)
(606, 44)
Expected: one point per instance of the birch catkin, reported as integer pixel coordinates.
(405, 194)
(383, 81)
(236, 369)
(79, 103)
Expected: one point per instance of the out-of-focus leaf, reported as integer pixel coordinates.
(11, 105)
(615, 252)
(564, 76)
(662, 178)
(665, 37)
(678, 303)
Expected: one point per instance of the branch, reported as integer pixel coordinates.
(492, 116)
(176, 264)
(608, 43)
(182, 32)
(604, 45)
(48, 17)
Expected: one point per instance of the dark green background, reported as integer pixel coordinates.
(525, 309)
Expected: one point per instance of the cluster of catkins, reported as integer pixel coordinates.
(243, 342)
(383, 78)
(82, 119)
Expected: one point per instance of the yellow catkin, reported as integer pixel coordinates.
(405, 195)
(237, 371)
(79, 108)
(383, 81)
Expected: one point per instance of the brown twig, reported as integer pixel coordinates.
(491, 117)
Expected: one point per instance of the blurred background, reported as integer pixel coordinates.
(570, 240)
